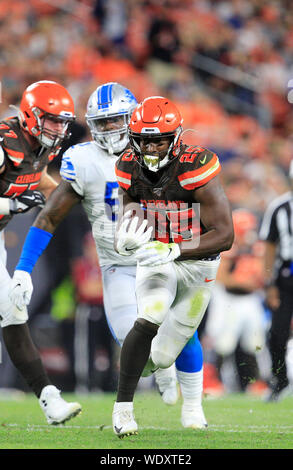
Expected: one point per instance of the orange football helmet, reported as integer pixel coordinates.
(155, 118)
(42, 101)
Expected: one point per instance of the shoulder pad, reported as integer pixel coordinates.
(199, 166)
(67, 170)
(123, 169)
(9, 141)
(54, 154)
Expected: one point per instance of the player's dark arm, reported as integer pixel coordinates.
(215, 215)
(59, 204)
(47, 183)
(61, 201)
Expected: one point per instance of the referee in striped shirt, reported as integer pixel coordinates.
(277, 233)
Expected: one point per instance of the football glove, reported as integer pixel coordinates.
(26, 201)
(21, 289)
(129, 237)
(156, 253)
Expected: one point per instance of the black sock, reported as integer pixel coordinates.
(134, 355)
(25, 356)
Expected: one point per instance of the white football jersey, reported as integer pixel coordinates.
(91, 172)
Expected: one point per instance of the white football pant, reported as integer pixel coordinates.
(119, 299)
(174, 296)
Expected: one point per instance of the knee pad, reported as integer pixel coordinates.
(171, 338)
(161, 352)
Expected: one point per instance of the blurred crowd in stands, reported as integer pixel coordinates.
(226, 64)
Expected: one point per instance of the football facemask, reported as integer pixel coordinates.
(154, 161)
(53, 129)
(108, 112)
(110, 133)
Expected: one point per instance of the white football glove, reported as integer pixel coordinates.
(129, 238)
(21, 289)
(156, 253)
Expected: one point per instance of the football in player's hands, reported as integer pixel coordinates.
(132, 233)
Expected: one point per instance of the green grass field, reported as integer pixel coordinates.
(235, 422)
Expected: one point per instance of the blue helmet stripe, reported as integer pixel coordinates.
(104, 96)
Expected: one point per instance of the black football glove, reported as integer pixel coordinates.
(26, 201)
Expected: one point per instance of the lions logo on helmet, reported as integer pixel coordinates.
(108, 113)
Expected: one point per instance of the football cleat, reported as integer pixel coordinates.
(167, 383)
(278, 392)
(193, 417)
(123, 420)
(57, 410)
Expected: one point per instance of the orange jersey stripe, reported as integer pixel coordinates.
(123, 178)
(15, 156)
(196, 178)
(199, 171)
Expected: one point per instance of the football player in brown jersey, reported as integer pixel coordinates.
(178, 187)
(28, 142)
(87, 171)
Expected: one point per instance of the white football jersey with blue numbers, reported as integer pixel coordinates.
(91, 172)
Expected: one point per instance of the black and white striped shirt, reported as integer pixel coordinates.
(277, 227)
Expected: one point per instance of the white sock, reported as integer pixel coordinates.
(165, 377)
(123, 405)
(191, 385)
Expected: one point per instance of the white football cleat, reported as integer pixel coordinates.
(57, 410)
(170, 395)
(123, 420)
(193, 417)
(167, 383)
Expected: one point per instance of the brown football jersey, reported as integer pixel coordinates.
(167, 196)
(23, 167)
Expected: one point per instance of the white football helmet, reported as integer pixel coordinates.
(108, 113)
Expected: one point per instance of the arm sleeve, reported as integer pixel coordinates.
(35, 243)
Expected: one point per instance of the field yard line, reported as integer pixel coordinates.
(212, 427)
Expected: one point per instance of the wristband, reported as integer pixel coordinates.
(35, 243)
